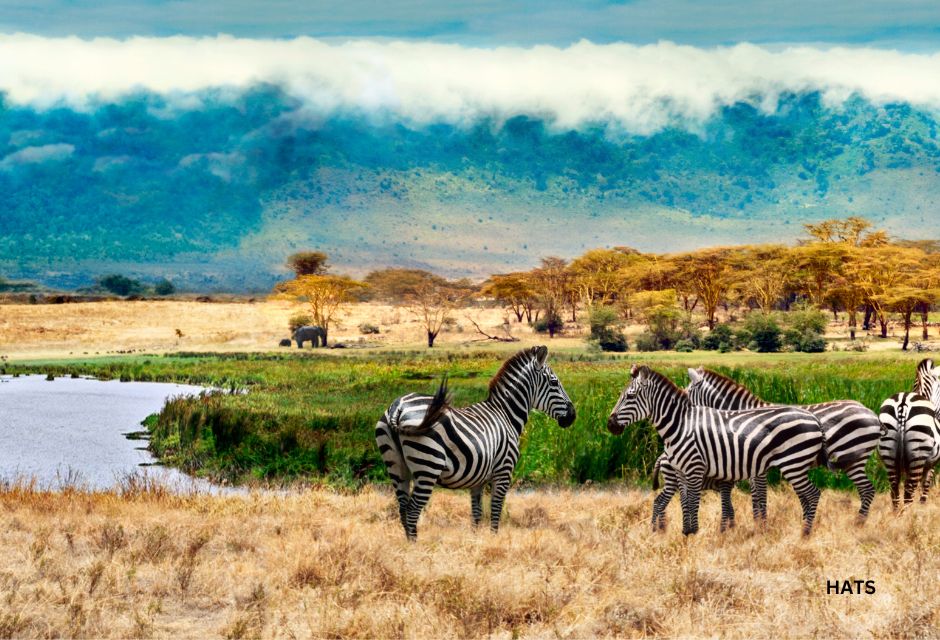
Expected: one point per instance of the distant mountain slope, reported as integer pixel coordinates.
(215, 196)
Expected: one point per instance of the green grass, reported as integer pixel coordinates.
(311, 416)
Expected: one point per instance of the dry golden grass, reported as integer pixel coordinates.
(566, 564)
(100, 328)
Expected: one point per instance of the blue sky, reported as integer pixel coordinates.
(908, 25)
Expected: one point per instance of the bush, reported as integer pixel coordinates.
(646, 341)
(164, 288)
(366, 329)
(807, 341)
(685, 346)
(549, 324)
(120, 285)
(299, 320)
(763, 333)
(615, 341)
(605, 329)
(805, 334)
(721, 334)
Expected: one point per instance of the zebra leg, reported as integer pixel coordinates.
(894, 480)
(691, 499)
(662, 501)
(398, 471)
(807, 492)
(927, 483)
(866, 491)
(500, 487)
(912, 481)
(759, 500)
(424, 483)
(476, 504)
(727, 508)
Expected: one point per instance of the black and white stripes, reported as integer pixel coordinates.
(425, 442)
(702, 442)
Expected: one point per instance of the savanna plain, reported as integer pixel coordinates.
(313, 548)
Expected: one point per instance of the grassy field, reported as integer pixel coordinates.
(311, 416)
(567, 564)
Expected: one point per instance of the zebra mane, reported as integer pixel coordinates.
(656, 375)
(718, 377)
(519, 359)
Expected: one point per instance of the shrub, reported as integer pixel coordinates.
(366, 329)
(806, 330)
(299, 320)
(605, 329)
(721, 334)
(763, 333)
(549, 324)
(164, 288)
(807, 341)
(120, 285)
(646, 341)
(685, 346)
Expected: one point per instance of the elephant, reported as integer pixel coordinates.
(316, 335)
(284, 343)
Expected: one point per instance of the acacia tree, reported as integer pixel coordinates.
(516, 291)
(709, 273)
(308, 263)
(433, 301)
(552, 281)
(325, 295)
(885, 271)
(906, 299)
(598, 275)
(759, 275)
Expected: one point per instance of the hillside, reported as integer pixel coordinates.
(214, 196)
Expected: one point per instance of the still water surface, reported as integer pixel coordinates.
(74, 428)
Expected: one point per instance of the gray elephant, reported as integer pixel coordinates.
(284, 343)
(312, 333)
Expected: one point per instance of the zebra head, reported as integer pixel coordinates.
(549, 396)
(634, 403)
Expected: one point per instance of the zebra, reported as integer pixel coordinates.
(725, 445)
(850, 429)
(426, 441)
(723, 487)
(927, 384)
(910, 446)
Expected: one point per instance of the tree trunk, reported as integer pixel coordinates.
(324, 336)
(907, 329)
(518, 311)
(866, 324)
(924, 319)
(431, 336)
(883, 321)
(853, 320)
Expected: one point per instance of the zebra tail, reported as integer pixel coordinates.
(440, 405)
(656, 473)
(900, 456)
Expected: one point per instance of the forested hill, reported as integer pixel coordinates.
(214, 195)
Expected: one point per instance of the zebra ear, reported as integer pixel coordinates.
(695, 374)
(541, 354)
(634, 370)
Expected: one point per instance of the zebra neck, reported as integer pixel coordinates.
(515, 403)
(669, 412)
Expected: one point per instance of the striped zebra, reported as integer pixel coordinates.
(723, 487)
(851, 431)
(910, 446)
(927, 384)
(425, 441)
(702, 442)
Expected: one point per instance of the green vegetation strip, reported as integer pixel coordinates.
(311, 417)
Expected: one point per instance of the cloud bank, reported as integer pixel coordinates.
(638, 89)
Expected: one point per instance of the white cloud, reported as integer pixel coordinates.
(637, 88)
(35, 155)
